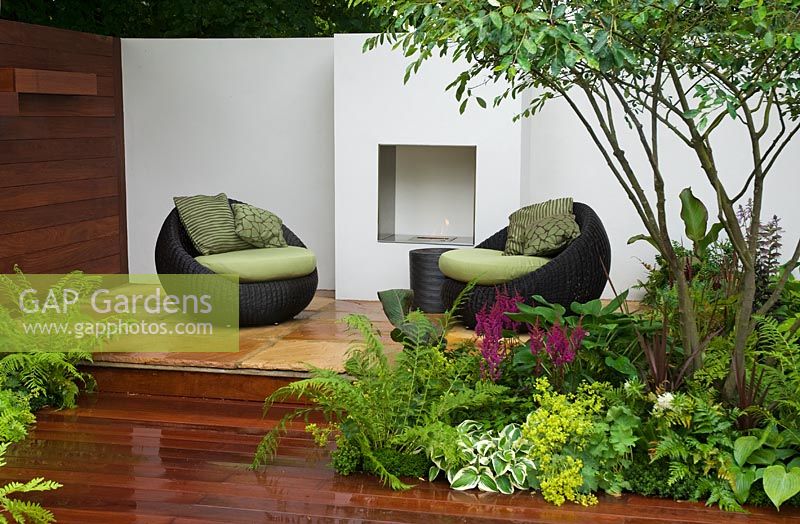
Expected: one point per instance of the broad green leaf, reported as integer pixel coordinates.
(464, 479)
(741, 486)
(499, 466)
(487, 483)
(504, 485)
(433, 473)
(593, 307)
(621, 364)
(694, 215)
(781, 485)
(743, 448)
(762, 457)
(708, 239)
(397, 303)
(508, 11)
(518, 474)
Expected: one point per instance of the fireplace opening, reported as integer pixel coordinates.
(426, 194)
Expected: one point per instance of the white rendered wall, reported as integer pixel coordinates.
(251, 118)
(565, 162)
(373, 106)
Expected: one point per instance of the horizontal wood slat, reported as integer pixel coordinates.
(62, 166)
(49, 82)
(71, 256)
(9, 104)
(105, 265)
(55, 171)
(31, 35)
(52, 215)
(54, 59)
(35, 128)
(67, 105)
(21, 197)
(39, 239)
(18, 151)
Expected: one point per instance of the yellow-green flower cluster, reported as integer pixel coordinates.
(560, 423)
(562, 480)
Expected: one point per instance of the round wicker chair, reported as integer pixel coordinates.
(579, 273)
(260, 303)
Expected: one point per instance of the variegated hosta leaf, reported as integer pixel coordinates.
(465, 478)
(487, 483)
(504, 485)
(482, 447)
(433, 473)
(518, 474)
(511, 432)
(499, 464)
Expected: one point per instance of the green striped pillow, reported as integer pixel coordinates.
(209, 223)
(522, 220)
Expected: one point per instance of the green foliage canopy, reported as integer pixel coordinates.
(194, 18)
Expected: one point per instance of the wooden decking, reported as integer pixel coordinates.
(169, 460)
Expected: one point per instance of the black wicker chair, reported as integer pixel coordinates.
(576, 274)
(260, 303)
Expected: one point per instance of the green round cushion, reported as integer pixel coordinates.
(488, 266)
(260, 265)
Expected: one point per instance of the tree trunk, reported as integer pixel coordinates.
(690, 334)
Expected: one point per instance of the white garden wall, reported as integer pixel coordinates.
(372, 107)
(251, 118)
(255, 119)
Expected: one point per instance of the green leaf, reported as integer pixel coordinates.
(518, 475)
(504, 485)
(397, 304)
(742, 483)
(481, 102)
(762, 457)
(508, 11)
(487, 483)
(646, 238)
(464, 479)
(496, 19)
(615, 304)
(499, 466)
(694, 215)
(622, 364)
(781, 485)
(593, 307)
(433, 473)
(743, 448)
(710, 238)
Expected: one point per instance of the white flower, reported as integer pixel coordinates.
(664, 402)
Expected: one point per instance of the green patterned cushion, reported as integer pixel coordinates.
(258, 227)
(551, 235)
(523, 219)
(208, 221)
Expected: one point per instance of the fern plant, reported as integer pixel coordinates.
(41, 365)
(405, 405)
(20, 510)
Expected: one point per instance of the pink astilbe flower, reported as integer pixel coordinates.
(490, 325)
(559, 342)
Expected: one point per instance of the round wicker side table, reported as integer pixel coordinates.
(426, 279)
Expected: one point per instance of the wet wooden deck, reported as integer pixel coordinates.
(171, 460)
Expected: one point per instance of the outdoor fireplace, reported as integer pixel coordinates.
(426, 194)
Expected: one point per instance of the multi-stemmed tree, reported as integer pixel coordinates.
(678, 67)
